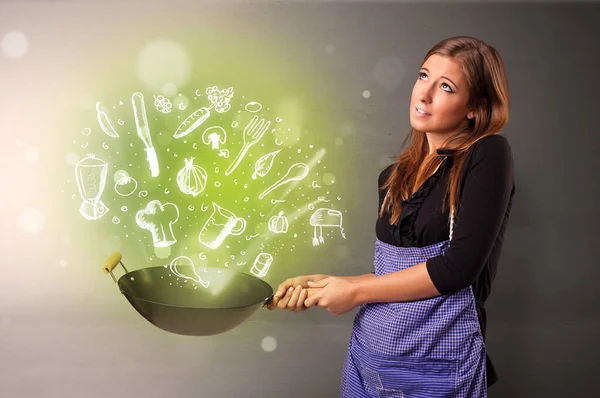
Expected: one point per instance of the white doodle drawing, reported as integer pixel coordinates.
(323, 199)
(253, 107)
(277, 142)
(315, 184)
(224, 153)
(263, 164)
(253, 132)
(143, 193)
(143, 131)
(261, 265)
(182, 106)
(278, 224)
(120, 122)
(86, 131)
(275, 201)
(123, 208)
(191, 179)
(90, 174)
(219, 225)
(85, 145)
(116, 220)
(183, 261)
(105, 123)
(162, 104)
(325, 218)
(125, 185)
(234, 124)
(250, 237)
(105, 145)
(278, 119)
(214, 135)
(159, 219)
(296, 172)
(219, 100)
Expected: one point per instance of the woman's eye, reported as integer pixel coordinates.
(450, 88)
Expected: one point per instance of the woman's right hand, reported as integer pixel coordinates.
(292, 292)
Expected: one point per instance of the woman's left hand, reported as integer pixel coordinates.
(334, 293)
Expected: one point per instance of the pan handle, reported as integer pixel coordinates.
(110, 264)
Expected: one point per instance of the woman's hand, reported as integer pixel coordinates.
(336, 294)
(292, 292)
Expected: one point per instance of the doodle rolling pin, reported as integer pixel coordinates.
(143, 131)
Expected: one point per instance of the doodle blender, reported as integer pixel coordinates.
(190, 188)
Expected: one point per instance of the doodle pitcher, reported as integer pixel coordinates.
(219, 225)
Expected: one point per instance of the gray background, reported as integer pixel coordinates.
(75, 337)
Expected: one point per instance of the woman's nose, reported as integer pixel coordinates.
(424, 95)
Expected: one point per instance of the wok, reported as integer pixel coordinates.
(178, 306)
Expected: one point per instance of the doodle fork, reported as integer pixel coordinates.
(253, 132)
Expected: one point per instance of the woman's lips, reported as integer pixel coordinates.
(419, 114)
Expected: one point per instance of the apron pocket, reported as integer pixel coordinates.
(411, 377)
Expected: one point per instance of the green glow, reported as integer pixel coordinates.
(302, 131)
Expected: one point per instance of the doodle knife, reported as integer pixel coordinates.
(143, 131)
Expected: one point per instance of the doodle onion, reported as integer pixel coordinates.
(192, 178)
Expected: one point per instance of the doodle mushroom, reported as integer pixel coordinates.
(214, 135)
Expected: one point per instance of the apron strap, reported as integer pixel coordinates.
(451, 224)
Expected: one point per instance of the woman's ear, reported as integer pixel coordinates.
(471, 114)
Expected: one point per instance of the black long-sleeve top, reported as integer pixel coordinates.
(486, 192)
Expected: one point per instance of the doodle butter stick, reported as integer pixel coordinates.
(143, 131)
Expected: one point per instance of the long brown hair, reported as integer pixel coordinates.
(488, 95)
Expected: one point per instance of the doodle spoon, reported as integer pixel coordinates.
(296, 172)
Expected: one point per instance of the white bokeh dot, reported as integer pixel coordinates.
(162, 252)
(366, 94)
(328, 179)
(162, 61)
(72, 158)
(63, 263)
(169, 90)
(32, 154)
(389, 72)
(15, 44)
(268, 344)
(31, 221)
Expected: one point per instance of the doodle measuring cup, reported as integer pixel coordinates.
(219, 225)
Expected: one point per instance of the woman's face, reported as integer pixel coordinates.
(441, 90)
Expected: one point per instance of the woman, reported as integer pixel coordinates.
(443, 210)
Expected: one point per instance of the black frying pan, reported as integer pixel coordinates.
(177, 306)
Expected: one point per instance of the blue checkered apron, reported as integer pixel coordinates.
(430, 348)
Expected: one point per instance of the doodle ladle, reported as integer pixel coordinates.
(297, 171)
